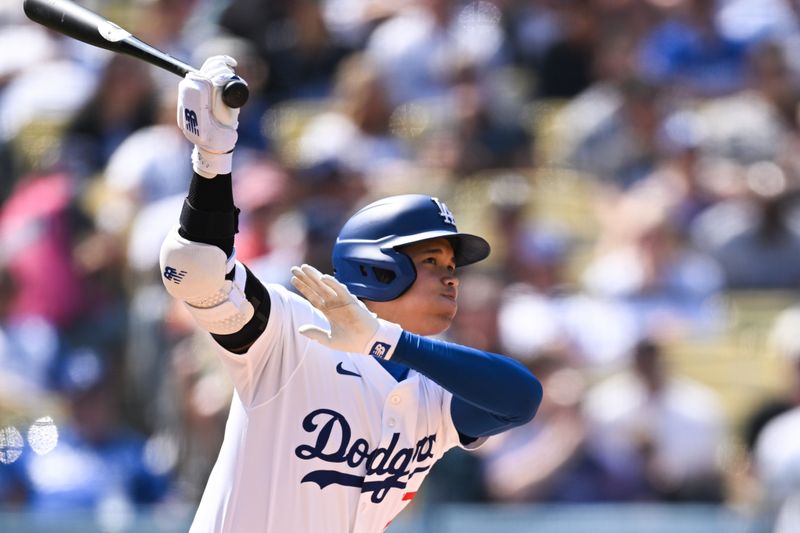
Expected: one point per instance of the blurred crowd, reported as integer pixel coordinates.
(632, 162)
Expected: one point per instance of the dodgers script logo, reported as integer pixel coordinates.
(333, 445)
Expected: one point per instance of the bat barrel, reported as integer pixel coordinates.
(75, 21)
(84, 25)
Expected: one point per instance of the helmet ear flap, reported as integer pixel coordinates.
(384, 275)
(407, 273)
(377, 280)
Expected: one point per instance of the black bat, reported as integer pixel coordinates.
(84, 25)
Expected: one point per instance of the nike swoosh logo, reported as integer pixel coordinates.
(345, 372)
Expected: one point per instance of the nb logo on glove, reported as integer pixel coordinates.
(191, 121)
(174, 275)
(379, 349)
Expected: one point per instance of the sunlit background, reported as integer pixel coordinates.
(634, 163)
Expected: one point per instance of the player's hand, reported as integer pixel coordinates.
(353, 327)
(204, 118)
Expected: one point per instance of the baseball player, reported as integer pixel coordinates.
(341, 404)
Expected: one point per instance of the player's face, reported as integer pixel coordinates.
(429, 305)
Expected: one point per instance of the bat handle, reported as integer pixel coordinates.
(235, 93)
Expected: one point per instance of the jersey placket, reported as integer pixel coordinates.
(387, 475)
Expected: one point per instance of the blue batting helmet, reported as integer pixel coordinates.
(366, 257)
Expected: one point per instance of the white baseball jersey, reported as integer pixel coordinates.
(317, 439)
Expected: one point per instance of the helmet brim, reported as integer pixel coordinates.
(467, 248)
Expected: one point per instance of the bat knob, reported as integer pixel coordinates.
(235, 93)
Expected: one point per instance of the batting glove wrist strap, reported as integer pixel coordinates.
(209, 164)
(384, 341)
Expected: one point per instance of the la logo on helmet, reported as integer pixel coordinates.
(444, 212)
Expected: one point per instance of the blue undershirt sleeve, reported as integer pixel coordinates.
(491, 393)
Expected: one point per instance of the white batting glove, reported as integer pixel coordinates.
(205, 120)
(353, 327)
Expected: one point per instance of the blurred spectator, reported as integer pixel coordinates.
(688, 52)
(582, 115)
(161, 23)
(149, 333)
(294, 41)
(357, 129)
(549, 459)
(593, 333)
(327, 194)
(776, 456)
(541, 308)
(91, 458)
(754, 20)
(767, 104)
(686, 181)
(767, 432)
(271, 238)
(38, 232)
(64, 272)
(419, 50)
(33, 115)
(531, 256)
(752, 236)
(566, 66)
(32, 46)
(193, 410)
(642, 262)
(658, 431)
(782, 341)
(770, 76)
(483, 131)
(182, 394)
(174, 385)
(28, 345)
(151, 164)
(123, 102)
(624, 145)
(351, 21)
(531, 28)
(530, 250)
